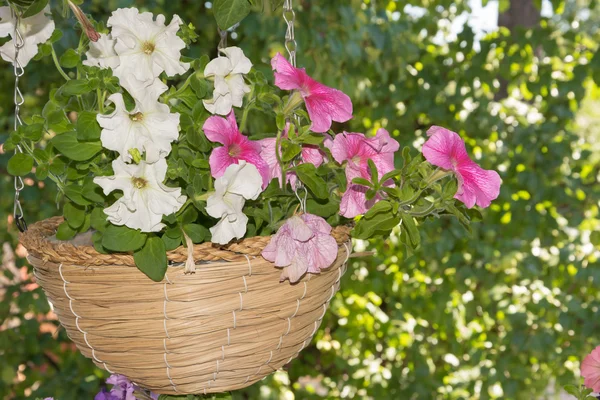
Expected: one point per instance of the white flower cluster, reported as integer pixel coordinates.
(228, 74)
(34, 30)
(138, 50)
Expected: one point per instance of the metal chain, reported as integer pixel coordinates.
(291, 46)
(290, 40)
(18, 98)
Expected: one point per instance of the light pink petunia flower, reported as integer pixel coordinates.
(358, 150)
(445, 149)
(303, 244)
(324, 104)
(236, 147)
(590, 370)
(310, 154)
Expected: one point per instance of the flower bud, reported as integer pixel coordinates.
(87, 26)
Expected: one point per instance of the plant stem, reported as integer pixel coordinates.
(57, 64)
(247, 110)
(100, 96)
(278, 156)
(53, 177)
(437, 175)
(245, 115)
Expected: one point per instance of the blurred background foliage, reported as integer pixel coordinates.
(506, 313)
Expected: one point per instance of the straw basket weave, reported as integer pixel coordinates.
(223, 328)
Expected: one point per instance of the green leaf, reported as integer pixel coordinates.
(152, 258)
(379, 220)
(20, 164)
(70, 59)
(98, 219)
(123, 239)
(373, 170)
(197, 233)
(75, 215)
(230, 12)
(171, 243)
(68, 145)
(275, 4)
(92, 192)
(41, 172)
(75, 87)
(308, 175)
(75, 193)
(572, 389)
(35, 8)
(88, 128)
(289, 150)
(409, 223)
(65, 232)
(312, 138)
(362, 182)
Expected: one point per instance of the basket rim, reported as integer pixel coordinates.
(35, 240)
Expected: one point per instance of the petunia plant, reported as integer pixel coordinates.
(151, 150)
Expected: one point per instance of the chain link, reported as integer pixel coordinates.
(290, 35)
(18, 98)
(291, 46)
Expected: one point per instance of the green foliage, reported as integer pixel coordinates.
(152, 258)
(230, 12)
(506, 310)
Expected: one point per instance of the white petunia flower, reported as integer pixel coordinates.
(102, 53)
(143, 90)
(145, 198)
(240, 182)
(150, 127)
(146, 47)
(230, 87)
(35, 30)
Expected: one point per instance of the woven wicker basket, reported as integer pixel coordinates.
(223, 328)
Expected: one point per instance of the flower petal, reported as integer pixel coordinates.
(325, 104)
(477, 185)
(444, 148)
(220, 130)
(219, 160)
(286, 76)
(239, 62)
(354, 201)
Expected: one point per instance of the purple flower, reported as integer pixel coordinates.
(123, 388)
(104, 395)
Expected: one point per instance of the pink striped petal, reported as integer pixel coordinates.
(286, 76)
(477, 185)
(219, 160)
(590, 370)
(325, 104)
(446, 149)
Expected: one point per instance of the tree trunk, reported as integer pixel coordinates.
(520, 14)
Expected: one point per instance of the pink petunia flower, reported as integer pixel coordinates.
(310, 154)
(358, 150)
(303, 244)
(590, 370)
(324, 104)
(236, 147)
(445, 149)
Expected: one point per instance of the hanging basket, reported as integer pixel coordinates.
(223, 328)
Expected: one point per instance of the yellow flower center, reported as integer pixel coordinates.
(148, 47)
(137, 117)
(139, 183)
